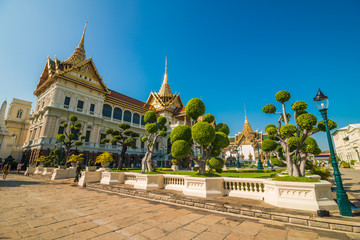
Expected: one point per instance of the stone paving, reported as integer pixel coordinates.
(37, 209)
(351, 182)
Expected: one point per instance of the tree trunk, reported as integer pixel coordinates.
(296, 172)
(201, 164)
(122, 157)
(302, 164)
(288, 158)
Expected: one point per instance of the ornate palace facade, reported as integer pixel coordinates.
(75, 87)
(243, 145)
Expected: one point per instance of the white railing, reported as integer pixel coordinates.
(174, 182)
(130, 178)
(244, 187)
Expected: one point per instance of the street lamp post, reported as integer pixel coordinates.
(322, 103)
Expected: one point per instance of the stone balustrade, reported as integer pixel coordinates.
(310, 196)
(253, 188)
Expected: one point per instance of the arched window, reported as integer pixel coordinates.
(117, 113)
(136, 118)
(143, 120)
(19, 113)
(107, 109)
(127, 116)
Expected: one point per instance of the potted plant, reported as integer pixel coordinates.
(104, 159)
(174, 165)
(73, 159)
(90, 165)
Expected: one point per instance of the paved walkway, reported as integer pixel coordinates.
(35, 209)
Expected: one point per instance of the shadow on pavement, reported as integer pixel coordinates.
(16, 183)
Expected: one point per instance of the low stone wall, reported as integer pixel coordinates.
(47, 171)
(293, 195)
(89, 177)
(63, 173)
(38, 170)
(30, 171)
(309, 196)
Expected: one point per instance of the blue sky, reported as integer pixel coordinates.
(229, 53)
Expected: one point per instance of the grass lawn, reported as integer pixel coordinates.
(238, 174)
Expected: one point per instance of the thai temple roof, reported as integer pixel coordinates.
(78, 55)
(165, 90)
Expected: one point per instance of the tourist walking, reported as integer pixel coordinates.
(78, 172)
(19, 167)
(6, 170)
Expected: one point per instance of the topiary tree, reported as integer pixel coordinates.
(206, 135)
(295, 139)
(70, 138)
(269, 146)
(155, 127)
(124, 138)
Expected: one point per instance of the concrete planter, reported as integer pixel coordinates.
(175, 168)
(147, 182)
(299, 195)
(38, 170)
(104, 167)
(203, 187)
(357, 166)
(112, 177)
(63, 173)
(48, 171)
(90, 168)
(30, 170)
(88, 177)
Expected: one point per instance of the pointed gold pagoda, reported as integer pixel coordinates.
(247, 128)
(78, 55)
(165, 91)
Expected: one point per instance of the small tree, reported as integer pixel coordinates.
(295, 139)
(155, 127)
(69, 139)
(124, 138)
(268, 146)
(105, 157)
(205, 134)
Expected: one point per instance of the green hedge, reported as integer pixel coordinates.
(295, 179)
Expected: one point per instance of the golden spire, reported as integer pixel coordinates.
(247, 127)
(79, 53)
(165, 90)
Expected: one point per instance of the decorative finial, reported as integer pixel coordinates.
(81, 44)
(166, 65)
(245, 113)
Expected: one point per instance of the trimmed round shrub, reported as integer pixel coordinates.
(299, 105)
(271, 130)
(144, 138)
(181, 132)
(203, 133)
(77, 125)
(163, 128)
(269, 126)
(221, 140)
(209, 118)
(222, 127)
(282, 96)
(150, 117)
(161, 120)
(215, 153)
(124, 126)
(321, 125)
(288, 116)
(65, 125)
(73, 118)
(306, 121)
(216, 163)
(162, 133)
(195, 108)
(288, 130)
(151, 128)
(71, 135)
(180, 149)
(78, 143)
(127, 132)
(268, 145)
(105, 140)
(294, 141)
(60, 137)
(269, 108)
(129, 142)
(276, 162)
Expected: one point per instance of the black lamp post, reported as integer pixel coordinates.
(322, 103)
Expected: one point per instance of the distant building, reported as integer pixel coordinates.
(322, 157)
(14, 128)
(242, 145)
(347, 142)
